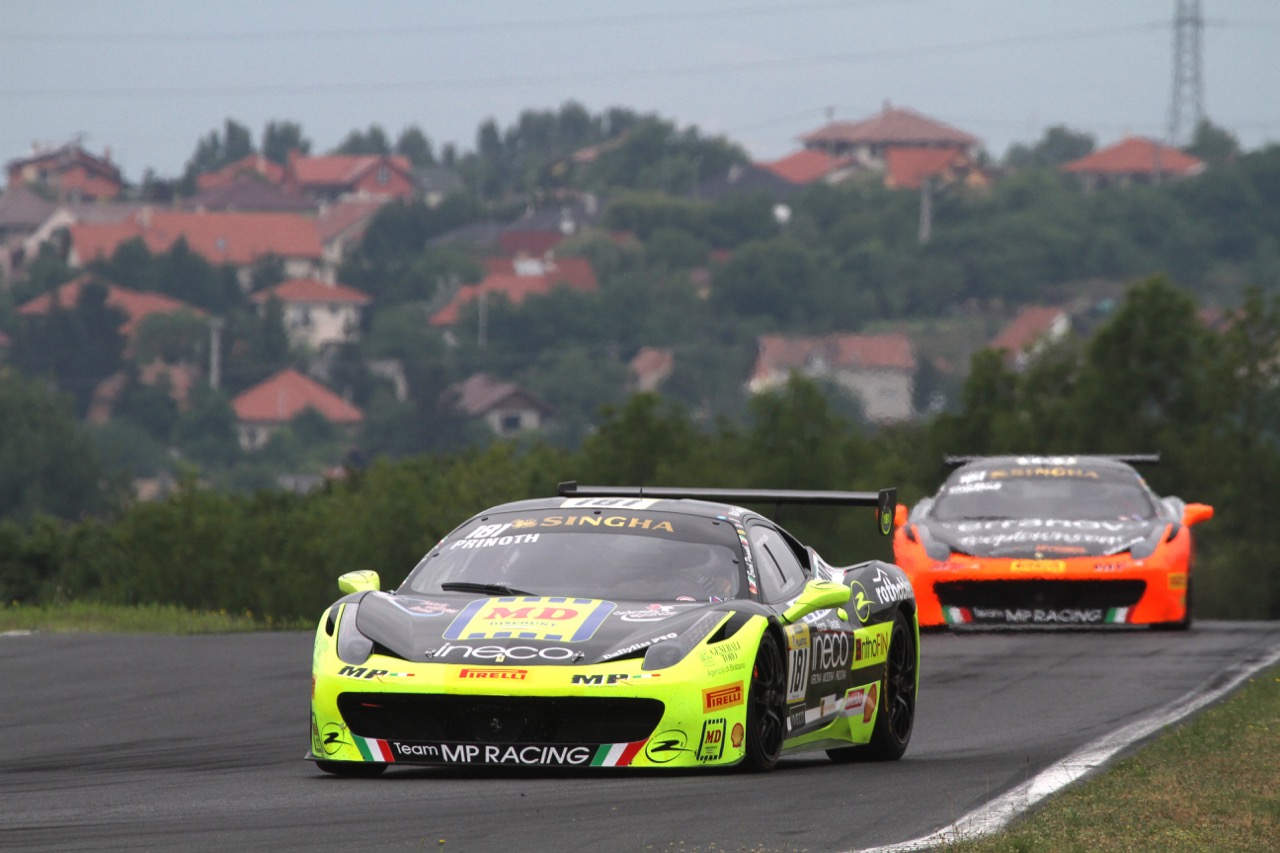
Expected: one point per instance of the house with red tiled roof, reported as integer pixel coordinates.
(892, 127)
(878, 370)
(342, 225)
(810, 165)
(68, 173)
(251, 195)
(340, 176)
(908, 168)
(278, 399)
(505, 406)
(178, 379)
(650, 367)
(136, 305)
(1133, 160)
(1033, 329)
(253, 165)
(519, 278)
(240, 240)
(317, 314)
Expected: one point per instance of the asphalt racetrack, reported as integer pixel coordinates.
(128, 742)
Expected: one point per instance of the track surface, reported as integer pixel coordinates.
(125, 742)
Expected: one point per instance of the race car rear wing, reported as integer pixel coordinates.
(1128, 458)
(885, 501)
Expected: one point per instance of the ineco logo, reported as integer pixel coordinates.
(719, 698)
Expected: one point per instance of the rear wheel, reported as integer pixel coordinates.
(352, 769)
(892, 731)
(766, 706)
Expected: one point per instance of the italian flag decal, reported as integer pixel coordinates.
(957, 615)
(1117, 616)
(616, 754)
(373, 749)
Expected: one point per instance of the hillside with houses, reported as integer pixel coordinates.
(272, 322)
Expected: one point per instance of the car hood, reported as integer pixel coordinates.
(1042, 538)
(451, 628)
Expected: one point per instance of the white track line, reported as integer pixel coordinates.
(996, 814)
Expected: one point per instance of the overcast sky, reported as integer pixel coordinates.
(148, 78)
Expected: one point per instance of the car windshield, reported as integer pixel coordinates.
(1076, 493)
(613, 553)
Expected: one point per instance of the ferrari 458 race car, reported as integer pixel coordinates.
(618, 626)
(1046, 541)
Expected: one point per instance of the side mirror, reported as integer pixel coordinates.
(900, 515)
(1196, 513)
(365, 580)
(817, 595)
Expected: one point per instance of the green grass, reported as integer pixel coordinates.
(138, 619)
(1210, 784)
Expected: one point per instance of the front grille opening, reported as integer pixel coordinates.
(1081, 595)
(500, 719)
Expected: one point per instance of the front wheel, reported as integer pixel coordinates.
(352, 769)
(766, 706)
(892, 730)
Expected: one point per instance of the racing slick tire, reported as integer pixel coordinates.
(892, 730)
(352, 769)
(766, 706)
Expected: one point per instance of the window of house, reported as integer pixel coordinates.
(510, 423)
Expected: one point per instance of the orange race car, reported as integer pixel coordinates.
(1040, 541)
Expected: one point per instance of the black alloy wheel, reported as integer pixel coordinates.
(766, 706)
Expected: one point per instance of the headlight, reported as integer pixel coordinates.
(353, 647)
(671, 652)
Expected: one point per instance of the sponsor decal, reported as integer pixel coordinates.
(736, 736)
(618, 503)
(1111, 567)
(795, 719)
(711, 745)
(1177, 580)
(473, 541)
(970, 488)
(720, 698)
(571, 620)
(872, 648)
(1065, 616)
(499, 654)
(602, 679)
(626, 522)
(520, 754)
(651, 613)
(854, 700)
(333, 737)
(973, 477)
(725, 652)
(498, 673)
(426, 608)
(635, 647)
(1069, 550)
(371, 673)
(1047, 533)
(831, 650)
(666, 746)
(1038, 567)
(860, 602)
(889, 588)
(1047, 460)
(869, 705)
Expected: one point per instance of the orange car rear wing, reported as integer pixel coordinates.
(1128, 458)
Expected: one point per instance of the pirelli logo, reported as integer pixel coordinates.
(719, 698)
(493, 672)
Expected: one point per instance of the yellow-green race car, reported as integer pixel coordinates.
(619, 626)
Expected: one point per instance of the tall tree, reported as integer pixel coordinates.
(279, 138)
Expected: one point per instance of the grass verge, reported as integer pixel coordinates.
(136, 619)
(1210, 784)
